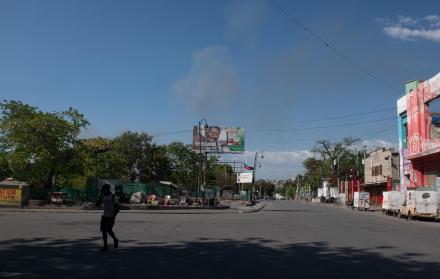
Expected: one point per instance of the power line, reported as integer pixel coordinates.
(159, 134)
(171, 133)
(319, 127)
(328, 45)
(344, 116)
(381, 131)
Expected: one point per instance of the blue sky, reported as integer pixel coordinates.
(161, 66)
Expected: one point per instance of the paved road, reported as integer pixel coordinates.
(287, 238)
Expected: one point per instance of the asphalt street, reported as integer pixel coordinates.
(286, 239)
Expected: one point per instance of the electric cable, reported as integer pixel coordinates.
(328, 45)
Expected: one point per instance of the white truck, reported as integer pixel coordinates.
(334, 194)
(327, 194)
(421, 203)
(361, 201)
(320, 193)
(392, 202)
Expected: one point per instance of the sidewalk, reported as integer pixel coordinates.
(372, 208)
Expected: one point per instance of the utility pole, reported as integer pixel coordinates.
(357, 172)
(254, 171)
(201, 180)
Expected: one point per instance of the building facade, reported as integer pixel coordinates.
(419, 134)
(381, 169)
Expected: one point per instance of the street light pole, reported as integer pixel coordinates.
(254, 171)
(201, 176)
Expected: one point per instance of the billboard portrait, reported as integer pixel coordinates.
(216, 139)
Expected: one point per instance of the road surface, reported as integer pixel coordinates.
(287, 239)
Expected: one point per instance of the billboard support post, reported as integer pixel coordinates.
(214, 139)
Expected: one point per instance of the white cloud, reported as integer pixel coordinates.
(406, 20)
(276, 164)
(410, 29)
(211, 82)
(434, 20)
(404, 33)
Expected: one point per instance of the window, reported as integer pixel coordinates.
(405, 135)
(404, 130)
(377, 170)
(434, 112)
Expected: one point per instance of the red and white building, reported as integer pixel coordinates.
(419, 134)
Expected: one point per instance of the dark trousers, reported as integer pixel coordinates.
(107, 228)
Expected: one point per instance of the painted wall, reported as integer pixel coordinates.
(420, 153)
(420, 142)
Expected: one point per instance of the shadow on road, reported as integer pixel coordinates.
(205, 258)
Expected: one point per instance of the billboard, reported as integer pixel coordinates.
(244, 177)
(216, 139)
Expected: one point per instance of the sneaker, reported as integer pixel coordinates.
(116, 243)
(103, 249)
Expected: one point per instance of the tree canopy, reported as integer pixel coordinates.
(37, 145)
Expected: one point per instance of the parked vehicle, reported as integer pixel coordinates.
(392, 202)
(334, 194)
(279, 196)
(420, 203)
(361, 201)
(328, 194)
(409, 205)
(58, 197)
(320, 193)
(427, 204)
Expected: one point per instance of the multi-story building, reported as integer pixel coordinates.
(381, 173)
(419, 134)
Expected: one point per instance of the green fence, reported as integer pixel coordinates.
(91, 192)
(151, 189)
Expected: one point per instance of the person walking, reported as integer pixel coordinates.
(111, 208)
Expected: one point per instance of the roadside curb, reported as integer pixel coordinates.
(149, 211)
(344, 207)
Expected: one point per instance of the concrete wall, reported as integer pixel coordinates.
(385, 160)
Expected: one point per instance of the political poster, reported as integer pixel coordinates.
(217, 139)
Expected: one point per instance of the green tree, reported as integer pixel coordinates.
(99, 159)
(5, 171)
(330, 153)
(156, 166)
(289, 188)
(183, 163)
(136, 151)
(38, 143)
(222, 175)
(265, 187)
